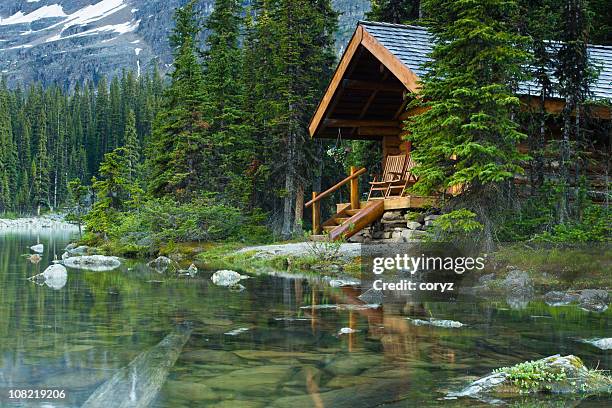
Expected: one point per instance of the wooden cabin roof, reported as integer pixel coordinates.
(378, 75)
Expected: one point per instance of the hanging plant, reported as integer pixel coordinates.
(338, 153)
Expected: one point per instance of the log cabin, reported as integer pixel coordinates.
(367, 98)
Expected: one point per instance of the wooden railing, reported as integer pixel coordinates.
(353, 178)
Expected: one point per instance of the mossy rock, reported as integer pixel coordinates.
(555, 374)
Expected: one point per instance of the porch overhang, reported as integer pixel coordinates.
(368, 93)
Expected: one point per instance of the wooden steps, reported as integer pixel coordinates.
(347, 223)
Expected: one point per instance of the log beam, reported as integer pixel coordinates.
(354, 123)
(372, 86)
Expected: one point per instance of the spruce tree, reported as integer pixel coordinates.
(230, 134)
(468, 136)
(132, 146)
(180, 134)
(295, 56)
(40, 168)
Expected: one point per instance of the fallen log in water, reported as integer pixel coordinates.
(137, 384)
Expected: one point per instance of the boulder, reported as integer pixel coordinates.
(604, 344)
(431, 217)
(594, 300)
(226, 277)
(38, 248)
(449, 324)
(162, 263)
(78, 251)
(558, 298)
(413, 225)
(556, 374)
(97, 263)
(371, 296)
(410, 235)
(191, 271)
(518, 284)
(392, 216)
(55, 277)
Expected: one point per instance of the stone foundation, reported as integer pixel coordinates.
(397, 226)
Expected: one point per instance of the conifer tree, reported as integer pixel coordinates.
(40, 167)
(294, 58)
(181, 128)
(230, 135)
(132, 147)
(468, 136)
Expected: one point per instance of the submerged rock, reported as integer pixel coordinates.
(604, 344)
(556, 374)
(372, 296)
(236, 332)
(55, 277)
(437, 323)
(594, 300)
(34, 258)
(38, 248)
(226, 277)
(97, 263)
(339, 283)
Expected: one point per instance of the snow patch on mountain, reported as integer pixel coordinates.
(54, 10)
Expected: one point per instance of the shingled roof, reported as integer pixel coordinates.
(412, 45)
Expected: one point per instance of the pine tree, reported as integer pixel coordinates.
(132, 147)
(40, 167)
(230, 135)
(395, 11)
(468, 136)
(100, 142)
(7, 153)
(291, 50)
(181, 128)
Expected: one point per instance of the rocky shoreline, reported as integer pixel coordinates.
(51, 221)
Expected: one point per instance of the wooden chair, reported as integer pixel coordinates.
(396, 189)
(393, 171)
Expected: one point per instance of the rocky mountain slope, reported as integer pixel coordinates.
(66, 41)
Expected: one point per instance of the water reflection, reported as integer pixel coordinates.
(285, 349)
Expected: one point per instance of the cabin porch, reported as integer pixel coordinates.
(352, 217)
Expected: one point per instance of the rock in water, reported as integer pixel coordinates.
(557, 298)
(97, 263)
(55, 277)
(226, 277)
(604, 344)
(137, 384)
(162, 263)
(38, 248)
(556, 374)
(191, 271)
(437, 323)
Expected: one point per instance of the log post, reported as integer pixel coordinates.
(354, 190)
(316, 215)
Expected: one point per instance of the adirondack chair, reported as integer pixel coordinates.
(396, 189)
(394, 168)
